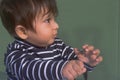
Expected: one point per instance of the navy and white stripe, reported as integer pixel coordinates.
(25, 61)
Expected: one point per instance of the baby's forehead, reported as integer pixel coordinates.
(45, 13)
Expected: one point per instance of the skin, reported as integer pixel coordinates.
(75, 68)
(46, 30)
(91, 55)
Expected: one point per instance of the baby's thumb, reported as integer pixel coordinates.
(76, 51)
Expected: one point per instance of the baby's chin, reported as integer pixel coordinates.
(52, 41)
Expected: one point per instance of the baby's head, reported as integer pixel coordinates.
(24, 12)
(21, 17)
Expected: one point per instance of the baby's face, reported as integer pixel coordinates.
(46, 30)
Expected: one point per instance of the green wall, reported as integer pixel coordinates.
(94, 22)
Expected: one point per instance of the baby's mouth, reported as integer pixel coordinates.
(55, 34)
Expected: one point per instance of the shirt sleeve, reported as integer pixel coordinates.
(68, 52)
(24, 67)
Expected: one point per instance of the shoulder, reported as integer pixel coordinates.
(15, 49)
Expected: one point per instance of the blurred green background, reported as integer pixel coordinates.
(95, 22)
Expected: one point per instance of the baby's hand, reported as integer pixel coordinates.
(90, 55)
(73, 69)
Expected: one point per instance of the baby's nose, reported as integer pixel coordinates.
(55, 25)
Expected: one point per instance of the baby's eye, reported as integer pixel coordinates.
(47, 20)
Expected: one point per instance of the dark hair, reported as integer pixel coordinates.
(24, 12)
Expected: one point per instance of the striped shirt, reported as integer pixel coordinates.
(25, 61)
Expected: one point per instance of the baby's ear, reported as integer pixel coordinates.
(21, 31)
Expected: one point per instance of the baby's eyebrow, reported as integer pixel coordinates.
(49, 16)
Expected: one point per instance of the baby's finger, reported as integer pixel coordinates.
(83, 58)
(80, 68)
(76, 51)
(89, 48)
(69, 76)
(79, 63)
(77, 69)
(80, 72)
(73, 73)
(93, 57)
(85, 46)
(96, 58)
(99, 59)
(96, 52)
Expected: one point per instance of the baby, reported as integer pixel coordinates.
(37, 53)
